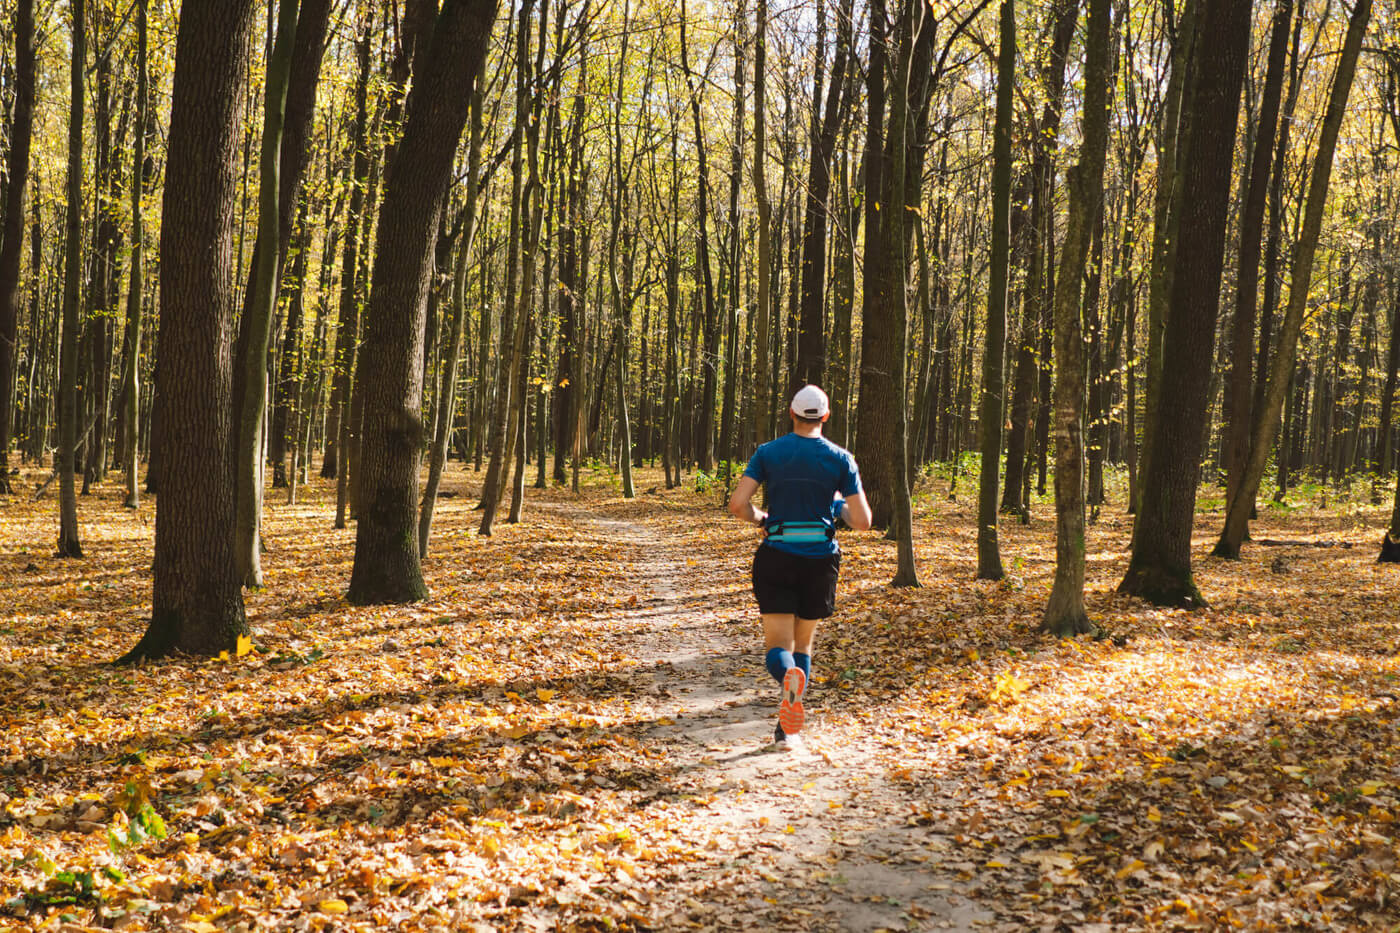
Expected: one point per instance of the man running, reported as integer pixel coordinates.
(811, 483)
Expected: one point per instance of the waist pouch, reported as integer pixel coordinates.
(800, 531)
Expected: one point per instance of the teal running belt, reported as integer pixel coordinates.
(801, 531)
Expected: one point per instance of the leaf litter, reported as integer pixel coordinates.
(570, 733)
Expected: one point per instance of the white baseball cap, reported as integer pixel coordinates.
(810, 402)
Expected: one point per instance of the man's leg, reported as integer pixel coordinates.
(803, 632)
(778, 636)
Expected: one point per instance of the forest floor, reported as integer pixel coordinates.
(572, 732)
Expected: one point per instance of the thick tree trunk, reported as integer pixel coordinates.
(387, 567)
(993, 366)
(12, 235)
(197, 603)
(1166, 219)
(1064, 612)
(1160, 567)
(1237, 518)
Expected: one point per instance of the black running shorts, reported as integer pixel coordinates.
(803, 586)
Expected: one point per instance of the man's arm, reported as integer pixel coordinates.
(741, 502)
(856, 512)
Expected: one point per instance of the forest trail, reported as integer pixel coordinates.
(571, 731)
(820, 837)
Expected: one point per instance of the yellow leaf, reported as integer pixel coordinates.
(245, 645)
(1371, 787)
(492, 846)
(512, 696)
(1057, 793)
(1154, 814)
(1128, 869)
(544, 695)
(789, 829)
(334, 905)
(438, 762)
(996, 864)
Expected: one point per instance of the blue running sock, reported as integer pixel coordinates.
(778, 661)
(803, 661)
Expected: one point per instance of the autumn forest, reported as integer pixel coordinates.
(373, 376)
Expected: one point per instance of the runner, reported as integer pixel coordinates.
(811, 483)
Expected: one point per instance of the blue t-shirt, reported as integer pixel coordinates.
(803, 474)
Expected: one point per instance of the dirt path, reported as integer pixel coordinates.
(818, 838)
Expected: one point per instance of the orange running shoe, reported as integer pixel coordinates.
(791, 715)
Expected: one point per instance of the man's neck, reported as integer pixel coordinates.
(807, 430)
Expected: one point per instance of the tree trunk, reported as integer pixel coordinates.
(387, 568)
(68, 414)
(141, 174)
(348, 320)
(1304, 252)
(1064, 613)
(499, 437)
(257, 322)
(564, 398)
(1166, 219)
(1037, 295)
(447, 397)
(762, 315)
(1160, 567)
(993, 366)
(704, 427)
(1390, 545)
(811, 334)
(12, 234)
(197, 603)
(1240, 387)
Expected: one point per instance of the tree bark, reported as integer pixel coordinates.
(348, 319)
(141, 174)
(387, 568)
(1064, 613)
(68, 414)
(12, 235)
(500, 433)
(1037, 293)
(762, 315)
(1304, 253)
(993, 366)
(811, 334)
(447, 397)
(257, 321)
(704, 427)
(1240, 385)
(197, 603)
(1160, 567)
(1165, 222)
